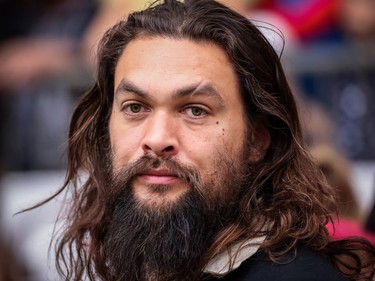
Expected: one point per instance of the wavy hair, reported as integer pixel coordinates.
(287, 191)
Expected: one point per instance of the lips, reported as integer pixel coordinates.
(158, 177)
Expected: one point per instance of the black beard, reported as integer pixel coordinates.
(166, 244)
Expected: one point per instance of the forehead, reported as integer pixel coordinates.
(161, 64)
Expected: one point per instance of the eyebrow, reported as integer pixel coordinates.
(128, 87)
(196, 89)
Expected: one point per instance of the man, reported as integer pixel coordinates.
(196, 167)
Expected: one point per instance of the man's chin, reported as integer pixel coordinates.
(159, 196)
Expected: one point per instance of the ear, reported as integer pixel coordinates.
(260, 143)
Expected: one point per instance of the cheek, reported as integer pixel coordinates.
(203, 151)
(124, 146)
(199, 149)
(122, 150)
(222, 182)
(232, 138)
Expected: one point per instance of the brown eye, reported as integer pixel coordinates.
(134, 108)
(195, 111)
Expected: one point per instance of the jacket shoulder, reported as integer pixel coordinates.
(300, 265)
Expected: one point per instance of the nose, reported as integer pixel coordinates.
(160, 137)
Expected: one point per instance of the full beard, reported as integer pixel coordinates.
(168, 243)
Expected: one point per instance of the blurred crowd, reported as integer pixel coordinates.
(47, 53)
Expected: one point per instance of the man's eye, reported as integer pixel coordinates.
(134, 108)
(195, 111)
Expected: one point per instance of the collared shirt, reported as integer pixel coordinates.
(232, 258)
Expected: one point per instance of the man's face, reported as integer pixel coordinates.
(179, 158)
(180, 100)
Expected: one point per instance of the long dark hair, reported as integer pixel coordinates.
(286, 189)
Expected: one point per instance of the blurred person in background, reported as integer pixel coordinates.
(110, 12)
(325, 21)
(336, 168)
(278, 31)
(310, 20)
(40, 67)
(357, 19)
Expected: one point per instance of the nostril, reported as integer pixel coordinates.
(159, 150)
(146, 147)
(168, 148)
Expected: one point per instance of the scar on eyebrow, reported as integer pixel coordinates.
(200, 89)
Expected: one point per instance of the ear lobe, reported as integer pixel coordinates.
(260, 144)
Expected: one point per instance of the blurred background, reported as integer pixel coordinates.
(47, 61)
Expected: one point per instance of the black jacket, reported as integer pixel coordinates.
(307, 265)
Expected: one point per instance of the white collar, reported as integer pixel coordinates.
(232, 258)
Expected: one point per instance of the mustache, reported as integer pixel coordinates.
(128, 172)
